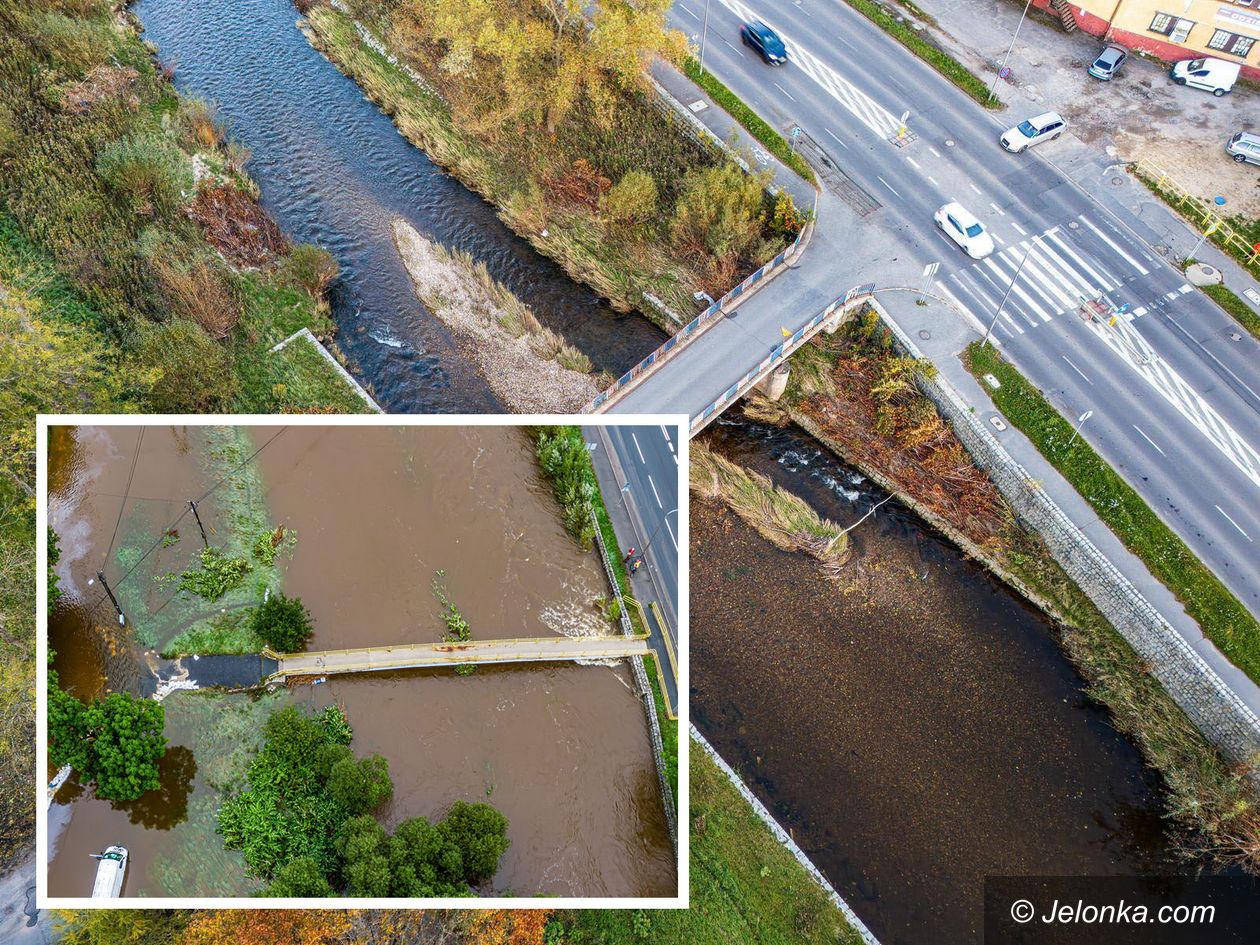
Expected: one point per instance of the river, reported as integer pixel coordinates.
(334, 171)
(561, 750)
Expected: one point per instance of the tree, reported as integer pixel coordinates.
(480, 833)
(721, 211)
(283, 623)
(267, 927)
(115, 742)
(360, 785)
(364, 849)
(299, 879)
(632, 199)
(121, 926)
(423, 862)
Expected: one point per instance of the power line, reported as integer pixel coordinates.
(135, 458)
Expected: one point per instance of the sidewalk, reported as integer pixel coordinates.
(643, 584)
(946, 337)
(1141, 113)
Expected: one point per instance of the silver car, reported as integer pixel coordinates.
(1244, 147)
(1108, 62)
(1045, 127)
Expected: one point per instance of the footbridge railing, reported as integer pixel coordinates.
(779, 354)
(426, 655)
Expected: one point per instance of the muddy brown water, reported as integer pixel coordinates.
(562, 750)
(914, 724)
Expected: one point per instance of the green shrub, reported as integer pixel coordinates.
(480, 833)
(283, 623)
(633, 199)
(721, 211)
(218, 574)
(311, 268)
(115, 742)
(149, 170)
(360, 785)
(561, 453)
(187, 371)
(299, 879)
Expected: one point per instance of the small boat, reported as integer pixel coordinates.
(110, 873)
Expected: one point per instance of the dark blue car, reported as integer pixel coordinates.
(764, 41)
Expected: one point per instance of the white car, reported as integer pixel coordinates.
(1045, 127)
(964, 229)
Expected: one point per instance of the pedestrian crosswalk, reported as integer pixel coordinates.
(1041, 277)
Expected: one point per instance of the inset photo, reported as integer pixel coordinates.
(427, 661)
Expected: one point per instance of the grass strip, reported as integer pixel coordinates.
(756, 126)
(1222, 617)
(1235, 306)
(937, 58)
(745, 885)
(669, 728)
(1248, 230)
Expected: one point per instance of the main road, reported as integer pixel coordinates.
(1181, 426)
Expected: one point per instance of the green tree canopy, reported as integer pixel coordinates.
(480, 833)
(283, 623)
(115, 742)
(299, 879)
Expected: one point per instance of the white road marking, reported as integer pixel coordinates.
(637, 449)
(933, 180)
(1019, 229)
(729, 43)
(784, 91)
(655, 493)
(1000, 241)
(1103, 280)
(1008, 279)
(689, 12)
(670, 529)
(1149, 440)
(975, 188)
(1186, 287)
(1077, 370)
(913, 163)
(888, 185)
(879, 120)
(1235, 524)
(837, 140)
(966, 312)
(1142, 270)
(1000, 211)
(934, 151)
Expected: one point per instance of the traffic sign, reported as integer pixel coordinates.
(796, 131)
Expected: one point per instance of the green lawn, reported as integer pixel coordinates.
(1222, 617)
(1235, 306)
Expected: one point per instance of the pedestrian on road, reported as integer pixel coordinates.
(635, 566)
(629, 555)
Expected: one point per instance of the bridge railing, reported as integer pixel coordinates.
(779, 353)
(456, 647)
(700, 322)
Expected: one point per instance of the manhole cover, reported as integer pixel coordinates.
(1073, 225)
(1162, 250)
(924, 334)
(949, 142)
(1116, 181)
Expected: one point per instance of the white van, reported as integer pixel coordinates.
(1215, 75)
(110, 873)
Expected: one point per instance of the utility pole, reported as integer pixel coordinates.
(122, 618)
(193, 505)
(988, 331)
(704, 35)
(656, 531)
(1002, 68)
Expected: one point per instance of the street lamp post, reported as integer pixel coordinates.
(1002, 68)
(1080, 422)
(656, 531)
(704, 34)
(988, 331)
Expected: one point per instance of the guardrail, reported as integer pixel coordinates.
(778, 354)
(702, 321)
(1203, 214)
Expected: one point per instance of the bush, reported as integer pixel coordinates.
(720, 212)
(311, 268)
(115, 742)
(198, 290)
(218, 574)
(480, 833)
(633, 199)
(299, 879)
(362, 785)
(149, 170)
(188, 372)
(563, 457)
(283, 623)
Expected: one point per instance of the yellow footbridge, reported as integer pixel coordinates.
(378, 659)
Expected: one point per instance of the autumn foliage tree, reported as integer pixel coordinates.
(508, 927)
(267, 927)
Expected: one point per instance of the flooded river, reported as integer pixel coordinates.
(334, 171)
(914, 723)
(562, 750)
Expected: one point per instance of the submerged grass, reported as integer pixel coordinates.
(785, 519)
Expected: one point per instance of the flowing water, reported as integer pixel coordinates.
(377, 512)
(913, 723)
(334, 171)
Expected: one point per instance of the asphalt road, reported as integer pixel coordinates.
(642, 500)
(1181, 427)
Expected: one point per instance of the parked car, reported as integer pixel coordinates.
(764, 41)
(1215, 75)
(965, 230)
(1244, 147)
(1023, 136)
(1108, 62)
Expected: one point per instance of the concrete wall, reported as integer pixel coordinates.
(1128, 22)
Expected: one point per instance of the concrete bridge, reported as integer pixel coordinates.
(376, 659)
